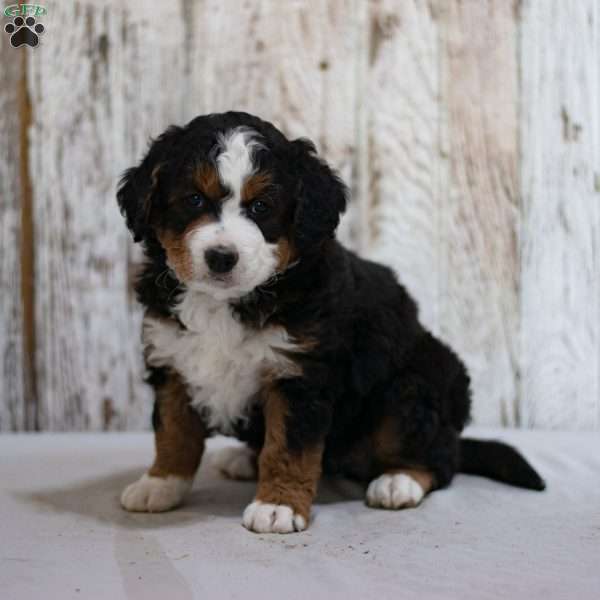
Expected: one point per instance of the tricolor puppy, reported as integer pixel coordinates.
(259, 324)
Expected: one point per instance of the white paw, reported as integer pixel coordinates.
(154, 494)
(394, 491)
(235, 462)
(272, 518)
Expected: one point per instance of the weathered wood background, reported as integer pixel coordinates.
(468, 131)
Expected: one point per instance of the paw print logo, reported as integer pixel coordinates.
(24, 31)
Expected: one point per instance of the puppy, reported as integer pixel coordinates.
(260, 325)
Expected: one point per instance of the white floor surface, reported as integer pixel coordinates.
(63, 534)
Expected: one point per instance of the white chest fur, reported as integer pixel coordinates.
(220, 359)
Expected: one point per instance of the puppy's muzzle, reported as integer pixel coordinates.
(221, 259)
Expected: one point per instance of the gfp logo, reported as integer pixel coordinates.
(25, 10)
(24, 28)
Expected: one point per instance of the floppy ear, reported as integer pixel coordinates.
(321, 197)
(138, 187)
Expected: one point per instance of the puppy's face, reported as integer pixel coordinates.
(231, 201)
(224, 228)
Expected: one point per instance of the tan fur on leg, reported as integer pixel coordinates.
(179, 440)
(287, 479)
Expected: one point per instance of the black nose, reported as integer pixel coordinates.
(220, 259)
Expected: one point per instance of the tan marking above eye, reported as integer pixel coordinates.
(206, 179)
(255, 185)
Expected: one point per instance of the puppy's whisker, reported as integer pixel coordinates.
(162, 275)
(177, 288)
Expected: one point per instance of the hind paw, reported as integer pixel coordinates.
(235, 462)
(394, 491)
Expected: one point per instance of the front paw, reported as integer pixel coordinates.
(262, 517)
(154, 494)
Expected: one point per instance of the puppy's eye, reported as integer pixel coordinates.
(259, 208)
(196, 200)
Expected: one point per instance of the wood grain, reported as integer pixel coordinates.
(560, 234)
(478, 258)
(403, 146)
(15, 380)
(79, 303)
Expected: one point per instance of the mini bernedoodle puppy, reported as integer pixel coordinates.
(260, 325)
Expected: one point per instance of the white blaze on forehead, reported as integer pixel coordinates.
(257, 258)
(235, 163)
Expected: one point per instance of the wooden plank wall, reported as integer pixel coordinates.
(468, 131)
(560, 275)
(14, 388)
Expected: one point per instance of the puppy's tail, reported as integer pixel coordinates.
(498, 461)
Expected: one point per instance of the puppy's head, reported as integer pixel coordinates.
(232, 202)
